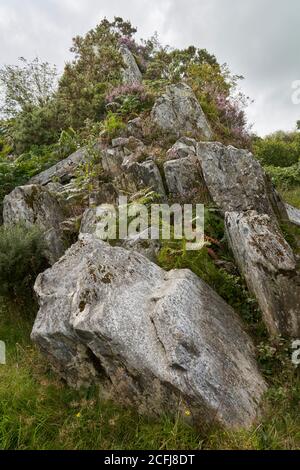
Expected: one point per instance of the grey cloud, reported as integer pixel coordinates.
(257, 38)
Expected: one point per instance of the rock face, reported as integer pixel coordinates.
(154, 339)
(34, 205)
(112, 160)
(178, 111)
(141, 242)
(293, 214)
(182, 170)
(137, 176)
(269, 267)
(234, 178)
(144, 244)
(64, 170)
(131, 73)
(240, 188)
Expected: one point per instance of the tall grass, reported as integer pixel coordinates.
(38, 411)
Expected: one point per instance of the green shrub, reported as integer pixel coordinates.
(285, 178)
(21, 260)
(112, 125)
(281, 149)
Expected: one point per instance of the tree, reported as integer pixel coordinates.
(25, 86)
(97, 64)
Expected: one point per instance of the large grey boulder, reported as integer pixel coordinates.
(131, 74)
(269, 267)
(163, 342)
(236, 181)
(34, 205)
(178, 111)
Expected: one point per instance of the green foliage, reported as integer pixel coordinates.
(281, 149)
(39, 412)
(16, 172)
(112, 125)
(97, 63)
(35, 127)
(172, 64)
(284, 178)
(26, 86)
(21, 260)
(217, 91)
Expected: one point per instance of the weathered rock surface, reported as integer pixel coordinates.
(64, 170)
(144, 243)
(90, 219)
(112, 160)
(293, 214)
(178, 111)
(182, 169)
(269, 267)
(184, 147)
(131, 74)
(137, 176)
(140, 242)
(235, 180)
(34, 205)
(160, 341)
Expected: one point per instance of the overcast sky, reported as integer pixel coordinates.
(257, 38)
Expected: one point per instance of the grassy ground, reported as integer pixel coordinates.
(37, 411)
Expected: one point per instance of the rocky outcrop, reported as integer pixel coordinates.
(182, 169)
(112, 161)
(131, 74)
(64, 170)
(34, 205)
(160, 341)
(240, 188)
(235, 180)
(269, 267)
(178, 112)
(143, 242)
(146, 243)
(122, 152)
(137, 176)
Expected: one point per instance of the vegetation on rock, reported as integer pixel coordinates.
(44, 119)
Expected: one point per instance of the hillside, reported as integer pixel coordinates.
(140, 342)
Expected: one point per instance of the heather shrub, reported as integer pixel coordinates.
(129, 100)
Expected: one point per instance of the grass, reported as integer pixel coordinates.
(38, 411)
(291, 196)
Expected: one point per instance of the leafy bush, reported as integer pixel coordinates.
(285, 178)
(21, 260)
(112, 125)
(281, 149)
(28, 85)
(16, 172)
